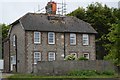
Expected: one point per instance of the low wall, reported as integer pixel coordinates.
(63, 67)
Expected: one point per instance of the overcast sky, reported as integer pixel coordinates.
(11, 10)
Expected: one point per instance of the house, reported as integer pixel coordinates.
(42, 37)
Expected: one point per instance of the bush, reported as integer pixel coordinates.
(108, 72)
(89, 73)
(82, 58)
(70, 57)
(73, 57)
(82, 73)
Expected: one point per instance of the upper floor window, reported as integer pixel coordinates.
(51, 38)
(37, 57)
(37, 37)
(72, 39)
(86, 55)
(85, 39)
(51, 56)
(14, 39)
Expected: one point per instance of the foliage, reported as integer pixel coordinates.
(5, 29)
(89, 73)
(70, 57)
(32, 77)
(82, 58)
(73, 57)
(99, 17)
(114, 47)
(79, 13)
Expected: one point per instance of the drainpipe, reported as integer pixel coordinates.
(16, 51)
(64, 46)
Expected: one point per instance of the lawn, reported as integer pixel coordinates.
(33, 77)
(72, 75)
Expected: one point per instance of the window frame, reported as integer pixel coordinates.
(39, 57)
(53, 38)
(85, 40)
(39, 37)
(54, 56)
(14, 40)
(13, 59)
(87, 54)
(76, 55)
(73, 38)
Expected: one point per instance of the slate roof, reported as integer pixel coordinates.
(40, 22)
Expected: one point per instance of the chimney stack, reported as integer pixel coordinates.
(51, 8)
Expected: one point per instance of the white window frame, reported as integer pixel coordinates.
(13, 59)
(85, 39)
(39, 37)
(73, 53)
(51, 58)
(14, 39)
(72, 39)
(88, 55)
(51, 40)
(37, 55)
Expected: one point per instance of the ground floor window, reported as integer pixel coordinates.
(86, 55)
(13, 59)
(37, 57)
(75, 54)
(51, 56)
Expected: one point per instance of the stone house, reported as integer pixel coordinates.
(41, 37)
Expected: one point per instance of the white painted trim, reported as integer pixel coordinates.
(50, 56)
(73, 35)
(87, 39)
(38, 37)
(87, 54)
(52, 37)
(13, 40)
(40, 56)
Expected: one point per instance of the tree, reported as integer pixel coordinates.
(5, 29)
(79, 13)
(3, 34)
(114, 47)
(99, 17)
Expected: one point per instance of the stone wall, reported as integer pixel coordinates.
(19, 51)
(6, 56)
(59, 47)
(26, 47)
(63, 67)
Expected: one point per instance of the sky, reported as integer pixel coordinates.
(11, 10)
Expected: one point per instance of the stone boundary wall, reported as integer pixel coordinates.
(63, 67)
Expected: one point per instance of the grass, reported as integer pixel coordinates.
(33, 76)
(76, 75)
(90, 73)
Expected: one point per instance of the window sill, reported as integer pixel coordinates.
(85, 45)
(72, 44)
(51, 43)
(37, 43)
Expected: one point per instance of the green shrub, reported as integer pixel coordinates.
(73, 57)
(70, 57)
(89, 73)
(82, 58)
(108, 72)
